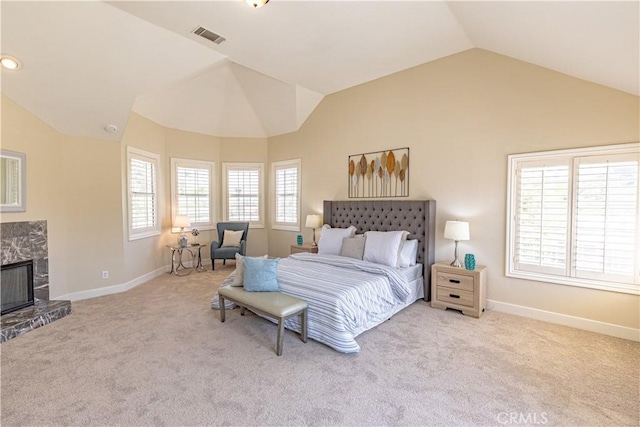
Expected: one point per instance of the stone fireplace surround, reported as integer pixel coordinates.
(21, 241)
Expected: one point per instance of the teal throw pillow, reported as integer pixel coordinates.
(261, 275)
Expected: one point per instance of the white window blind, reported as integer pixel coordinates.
(286, 179)
(606, 217)
(192, 191)
(574, 217)
(143, 197)
(243, 187)
(542, 213)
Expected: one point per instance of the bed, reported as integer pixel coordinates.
(346, 296)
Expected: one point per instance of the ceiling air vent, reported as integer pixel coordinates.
(209, 35)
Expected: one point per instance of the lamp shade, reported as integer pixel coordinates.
(456, 230)
(181, 221)
(314, 221)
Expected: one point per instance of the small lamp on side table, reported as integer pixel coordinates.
(314, 221)
(456, 231)
(182, 221)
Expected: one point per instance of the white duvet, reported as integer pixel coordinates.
(346, 296)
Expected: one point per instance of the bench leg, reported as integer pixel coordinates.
(280, 336)
(221, 301)
(242, 311)
(303, 326)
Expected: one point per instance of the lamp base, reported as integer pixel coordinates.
(456, 262)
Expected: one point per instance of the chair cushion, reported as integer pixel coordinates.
(232, 238)
(261, 275)
(228, 253)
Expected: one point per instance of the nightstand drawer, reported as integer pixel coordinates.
(455, 281)
(455, 296)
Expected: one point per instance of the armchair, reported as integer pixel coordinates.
(219, 251)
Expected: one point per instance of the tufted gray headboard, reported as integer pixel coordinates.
(418, 217)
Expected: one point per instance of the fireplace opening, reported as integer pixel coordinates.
(16, 286)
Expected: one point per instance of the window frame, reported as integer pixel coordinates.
(195, 164)
(154, 159)
(275, 166)
(573, 157)
(230, 166)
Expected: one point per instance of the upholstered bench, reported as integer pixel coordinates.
(271, 304)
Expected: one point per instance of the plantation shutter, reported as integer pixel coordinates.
(287, 195)
(143, 194)
(542, 217)
(606, 217)
(193, 190)
(243, 192)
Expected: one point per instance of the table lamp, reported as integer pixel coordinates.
(456, 231)
(182, 221)
(314, 221)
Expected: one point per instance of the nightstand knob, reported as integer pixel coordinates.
(454, 296)
(454, 280)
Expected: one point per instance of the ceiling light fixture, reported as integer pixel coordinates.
(111, 128)
(10, 62)
(257, 3)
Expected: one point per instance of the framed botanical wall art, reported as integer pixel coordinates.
(379, 174)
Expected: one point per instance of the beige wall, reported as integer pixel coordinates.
(461, 116)
(73, 184)
(79, 186)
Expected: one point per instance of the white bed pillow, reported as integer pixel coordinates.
(408, 253)
(232, 238)
(353, 247)
(383, 247)
(330, 241)
(238, 279)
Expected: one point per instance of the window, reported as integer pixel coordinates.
(243, 196)
(192, 191)
(573, 217)
(142, 193)
(285, 177)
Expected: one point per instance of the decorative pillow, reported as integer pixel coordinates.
(232, 238)
(383, 247)
(408, 253)
(330, 241)
(261, 275)
(353, 247)
(238, 279)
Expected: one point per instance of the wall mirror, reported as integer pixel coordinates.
(13, 181)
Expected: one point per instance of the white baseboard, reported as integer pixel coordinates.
(114, 289)
(566, 320)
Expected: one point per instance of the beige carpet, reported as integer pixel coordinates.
(158, 355)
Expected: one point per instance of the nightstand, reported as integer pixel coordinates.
(304, 248)
(460, 289)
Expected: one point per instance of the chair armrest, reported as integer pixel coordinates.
(243, 247)
(214, 246)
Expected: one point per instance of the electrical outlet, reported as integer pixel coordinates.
(105, 274)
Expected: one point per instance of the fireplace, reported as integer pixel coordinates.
(16, 286)
(25, 258)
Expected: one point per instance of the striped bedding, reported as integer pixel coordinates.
(346, 296)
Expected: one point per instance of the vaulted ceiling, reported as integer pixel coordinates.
(88, 64)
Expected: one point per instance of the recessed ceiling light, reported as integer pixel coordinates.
(257, 3)
(10, 63)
